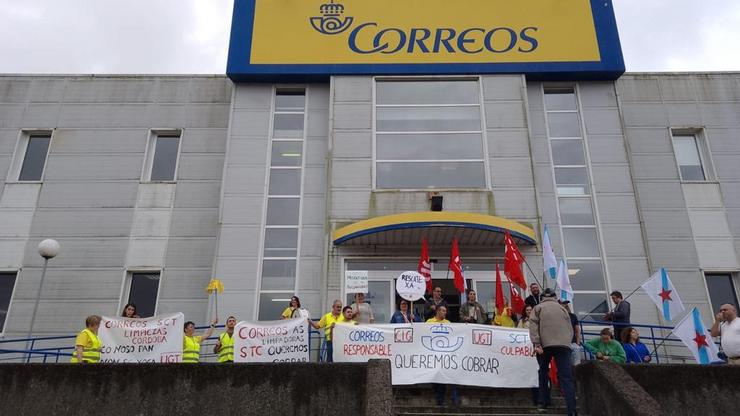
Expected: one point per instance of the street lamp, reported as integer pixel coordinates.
(48, 249)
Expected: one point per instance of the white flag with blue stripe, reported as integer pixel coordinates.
(660, 289)
(697, 338)
(566, 290)
(548, 256)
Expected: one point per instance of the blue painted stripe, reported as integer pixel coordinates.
(664, 285)
(699, 329)
(431, 224)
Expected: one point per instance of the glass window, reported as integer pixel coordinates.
(572, 181)
(165, 158)
(576, 211)
(272, 305)
(567, 152)
(286, 153)
(282, 211)
(281, 242)
(721, 290)
(431, 175)
(7, 283)
(560, 99)
(288, 126)
(427, 92)
(429, 146)
(278, 274)
(688, 158)
(581, 242)
(428, 118)
(34, 158)
(564, 124)
(290, 100)
(586, 275)
(590, 306)
(379, 298)
(143, 292)
(285, 182)
(486, 294)
(382, 265)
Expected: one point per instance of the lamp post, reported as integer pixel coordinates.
(48, 249)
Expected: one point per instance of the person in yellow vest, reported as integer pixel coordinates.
(440, 316)
(347, 316)
(327, 322)
(87, 344)
(440, 390)
(191, 342)
(505, 317)
(225, 345)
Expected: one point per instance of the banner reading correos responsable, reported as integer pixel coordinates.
(467, 354)
(271, 341)
(151, 340)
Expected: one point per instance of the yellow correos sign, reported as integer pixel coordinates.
(291, 32)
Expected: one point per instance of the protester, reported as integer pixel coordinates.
(524, 321)
(605, 348)
(225, 345)
(347, 314)
(440, 390)
(87, 344)
(404, 315)
(129, 311)
(575, 342)
(620, 315)
(191, 342)
(472, 311)
(327, 322)
(430, 307)
(362, 312)
(293, 310)
(551, 332)
(635, 350)
(727, 327)
(506, 317)
(535, 298)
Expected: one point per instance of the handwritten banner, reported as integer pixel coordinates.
(271, 341)
(150, 340)
(355, 281)
(467, 354)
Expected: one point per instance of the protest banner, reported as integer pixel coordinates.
(150, 340)
(271, 341)
(466, 354)
(355, 281)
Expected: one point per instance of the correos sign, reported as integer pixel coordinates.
(551, 38)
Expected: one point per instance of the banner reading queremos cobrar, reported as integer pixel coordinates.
(468, 354)
(271, 341)
(150, 340)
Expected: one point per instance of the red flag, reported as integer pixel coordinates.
(425, 268)
(500, 301)
(513, 260)
(456, 267)
(517, 303)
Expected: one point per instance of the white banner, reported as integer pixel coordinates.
(355, 281)
(271, 341)
(150, 340)
(468, 354)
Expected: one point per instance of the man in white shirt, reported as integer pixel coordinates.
(727, 327)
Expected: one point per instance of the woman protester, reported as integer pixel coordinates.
(191, 342)
(327, 322)
(524, 321)
(362, 312)
(87, 344)
(129, 311)
(404, 315)
(293, 310)
(635, 350)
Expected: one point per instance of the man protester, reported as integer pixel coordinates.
(535, 298)
(440, 390)
(430, 307)
(551, 332)
(575, 344)
(620, 315)
(471, 311)
(727, 327)
(225, 345)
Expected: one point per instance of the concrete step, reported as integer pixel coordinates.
(475, 410)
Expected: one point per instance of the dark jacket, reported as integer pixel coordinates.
(467, 312)
(621, 314)
(429, 312)
(533, 300)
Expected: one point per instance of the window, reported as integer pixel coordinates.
(689, 157)
(282, 219)
(428, 134)
(7, 283)
(721, 289)
(164, 148)
(143, 292)
(35, 150)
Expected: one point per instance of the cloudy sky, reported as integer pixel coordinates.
(191, 36)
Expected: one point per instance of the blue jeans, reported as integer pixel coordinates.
(329, 352)
(440, 391)
(562, 357)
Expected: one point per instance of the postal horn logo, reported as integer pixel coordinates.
(330, 22)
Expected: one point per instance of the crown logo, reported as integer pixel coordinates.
(441, 329)
(330, 22)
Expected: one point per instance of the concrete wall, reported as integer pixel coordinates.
(94, 202)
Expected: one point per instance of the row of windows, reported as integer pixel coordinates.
(161, 165)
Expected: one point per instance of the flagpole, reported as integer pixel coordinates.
(663, 342)
(531, 271)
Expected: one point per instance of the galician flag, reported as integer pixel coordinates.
(660, 289)
(563, 282)
(551, 264)
(697, 338)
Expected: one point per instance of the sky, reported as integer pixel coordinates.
(192, 36)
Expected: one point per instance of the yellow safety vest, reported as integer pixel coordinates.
(190, 349)
(226, 353)
(90, 353)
